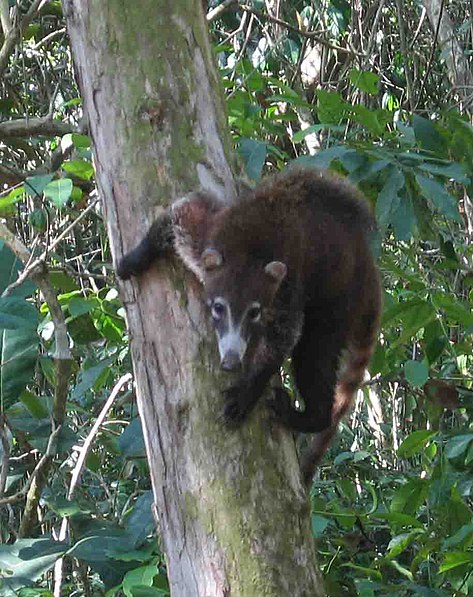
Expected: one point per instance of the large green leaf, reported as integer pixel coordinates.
(415, 442)
(59, 191)
(18, 348)
(366, 81)
(439, 197)
(427, 135)
(388, 199)
(253, 154)
(25, 561)
(9, 268)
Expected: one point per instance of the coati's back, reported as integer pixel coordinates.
(312, 220)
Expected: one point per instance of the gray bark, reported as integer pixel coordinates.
(233, 515)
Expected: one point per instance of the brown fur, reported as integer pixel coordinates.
(314, 226)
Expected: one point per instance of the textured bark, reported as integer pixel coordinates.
(233, 515)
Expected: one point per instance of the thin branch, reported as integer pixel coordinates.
(49, 453)
(93, 432)
(13, 36)
(432, 53)
(33, 127)
(84, 450)
(32, 268)
(220, 9)
(315, 35)
(5, 455)
(403, 45)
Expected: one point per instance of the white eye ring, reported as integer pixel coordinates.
(254, 312)
(218, 309)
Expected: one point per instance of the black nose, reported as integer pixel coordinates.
(231, 361)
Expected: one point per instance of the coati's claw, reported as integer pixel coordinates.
(236, 406)
(280, 405)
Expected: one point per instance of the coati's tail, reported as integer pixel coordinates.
(157, 243)
(350, 378)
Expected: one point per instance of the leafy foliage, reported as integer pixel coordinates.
(392, 512)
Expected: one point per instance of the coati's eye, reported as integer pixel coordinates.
(254, 312)
(218, 309)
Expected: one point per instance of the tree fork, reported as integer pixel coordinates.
(233, 514)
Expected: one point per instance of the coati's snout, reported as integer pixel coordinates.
(235, 329)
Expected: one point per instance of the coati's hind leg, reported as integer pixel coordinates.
(314, 362)
(350, 377)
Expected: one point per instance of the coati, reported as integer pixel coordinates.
(287, 272)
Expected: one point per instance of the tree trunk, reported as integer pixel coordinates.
(233, 514)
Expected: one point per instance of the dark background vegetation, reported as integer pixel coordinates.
(378, 90)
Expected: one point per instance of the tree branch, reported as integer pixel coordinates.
(43, 126)
(14, 34)
(315, 35)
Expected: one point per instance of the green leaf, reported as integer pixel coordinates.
(36, 405)
(463, 535)
(415, 442)
(455, 311)
(439, 197)
(427, 135)
(449, 170)
(331, 108)
(458, 445)
(131, 441)
(401, 542)
(416, 372)
(253, 154)
(454, 559)
(35, 185)
(80, 168)
(140, 523)
(410, 496)
(25, 561)
(17, 314)
(403, 219)
(142, 576)
(7, 203)
(144, 591)
(366, 81)
(18, 354)
(59, 191)
(88, 378)
(388, 198)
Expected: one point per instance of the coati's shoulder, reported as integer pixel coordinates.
(322, 190)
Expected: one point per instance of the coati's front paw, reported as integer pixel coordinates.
(128, 266)
(281, 405)
(237, 405)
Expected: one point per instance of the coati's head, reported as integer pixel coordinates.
(239, 286)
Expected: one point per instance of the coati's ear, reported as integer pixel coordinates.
(276, 270)
(211, 259)
(191, 217)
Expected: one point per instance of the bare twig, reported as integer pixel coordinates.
(84, 450)
(48, 454)
(5, 455)
(12, 37)
(38, 263)
(315, 35)
(220, 9)
(403, 44)
(432, 53)
(93, 432)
